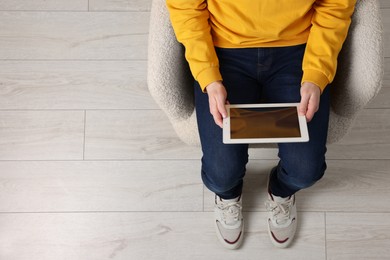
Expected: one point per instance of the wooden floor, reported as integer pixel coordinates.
(90, 168)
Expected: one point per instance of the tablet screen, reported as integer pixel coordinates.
(264, 122)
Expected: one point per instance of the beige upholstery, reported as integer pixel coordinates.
(358, 80)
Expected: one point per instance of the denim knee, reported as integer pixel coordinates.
(302, 177)
(226, 181)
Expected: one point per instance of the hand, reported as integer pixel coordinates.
(217, 100)
(310, 100)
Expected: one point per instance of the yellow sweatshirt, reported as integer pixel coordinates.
(202, 24)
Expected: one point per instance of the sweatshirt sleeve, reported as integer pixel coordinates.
(330, 24)
(190, 21)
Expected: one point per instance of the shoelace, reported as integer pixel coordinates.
(280, 211)
(230, 211)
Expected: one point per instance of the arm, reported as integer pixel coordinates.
(330, 24)
(190, 21)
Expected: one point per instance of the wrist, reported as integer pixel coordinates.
(311, 85)
(213, 85)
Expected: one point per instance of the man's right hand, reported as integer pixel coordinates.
(217, 100)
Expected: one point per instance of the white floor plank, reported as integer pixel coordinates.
(384, 3)
(137, 134)
(358, 236)
(170, 236)
(369, 137)
(74, 85)
(100, 186)
(41, 5)
(73, 35)
(41, 135)
(120, 5)
(350, 186)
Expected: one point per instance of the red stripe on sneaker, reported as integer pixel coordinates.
(235, 241)
(277, 240)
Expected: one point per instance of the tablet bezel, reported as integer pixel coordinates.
(301, 119)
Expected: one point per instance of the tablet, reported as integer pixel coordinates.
(264, 123)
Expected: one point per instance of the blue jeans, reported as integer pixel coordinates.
(261, 75)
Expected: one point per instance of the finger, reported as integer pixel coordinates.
(310, 113)
(303, 105)
(312, 108)
(222, 109)
(218, 120)
(214, 110)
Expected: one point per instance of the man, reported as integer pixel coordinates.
(253, 51)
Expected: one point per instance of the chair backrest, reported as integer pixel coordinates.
(358, 80)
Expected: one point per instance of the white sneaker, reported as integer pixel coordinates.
(282, 220)
(229, 222)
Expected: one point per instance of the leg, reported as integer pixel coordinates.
(301, 164)
(223, 166)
